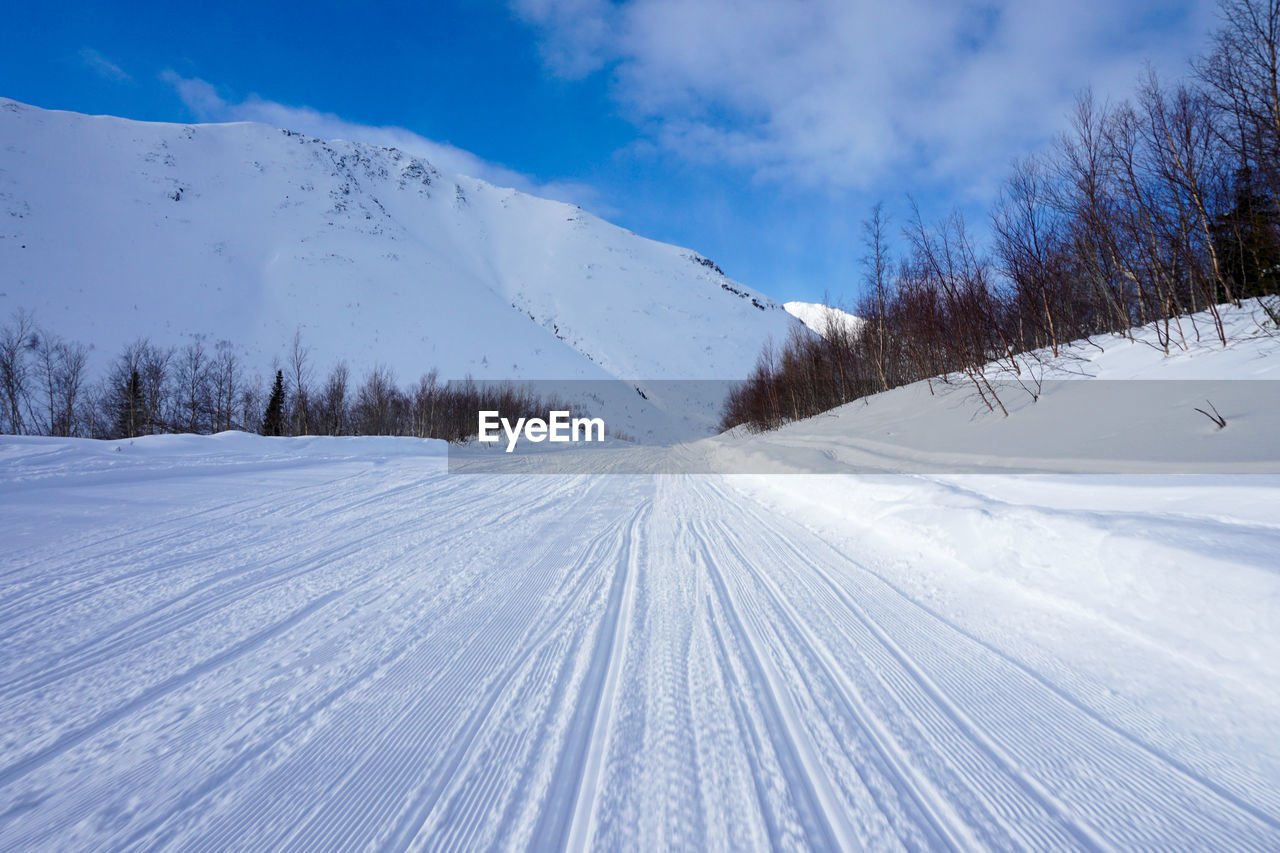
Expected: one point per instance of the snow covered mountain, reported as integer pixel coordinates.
(817, 316)
(113, 229)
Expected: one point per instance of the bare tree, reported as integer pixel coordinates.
(74, 359)
(876, 263)
(375, 412)
(193, 380)
(226, 383)
(60, 366)
(1241, 74)
(17, 340)
(300, 376)
(333, 405)
(1030, 242)
(252, 403)
(155, 370)
(426, 397)
(1187, 161)
(1084, 193)
(965, 325)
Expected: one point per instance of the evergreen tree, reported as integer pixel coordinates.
(130, 406)
(1248, 239)
(273, 419)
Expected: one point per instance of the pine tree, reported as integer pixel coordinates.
(1248, 239)
(130, 404)
(273, 419)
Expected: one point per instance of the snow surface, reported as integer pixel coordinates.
(819, 317)
(111, 230)
(238, 642)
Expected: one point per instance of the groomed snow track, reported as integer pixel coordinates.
(316, 652)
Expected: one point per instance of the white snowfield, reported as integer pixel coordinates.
(234, 642)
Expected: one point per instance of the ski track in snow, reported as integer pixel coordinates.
(371, 654)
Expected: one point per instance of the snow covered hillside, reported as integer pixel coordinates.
(818, 317)
(113, 229)
(1107, 405)
(221, 642)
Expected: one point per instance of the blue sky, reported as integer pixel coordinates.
(758, 132)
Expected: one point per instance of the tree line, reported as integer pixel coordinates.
(1143, 212)
(149, 389)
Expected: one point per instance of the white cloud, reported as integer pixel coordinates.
(852, 93)
(203, 100)
(579, 32)
(103, 67)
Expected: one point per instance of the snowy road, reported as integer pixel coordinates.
(214, 646)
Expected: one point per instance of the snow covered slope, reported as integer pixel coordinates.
(1107, 405)
(113, 229)
(818, 317)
